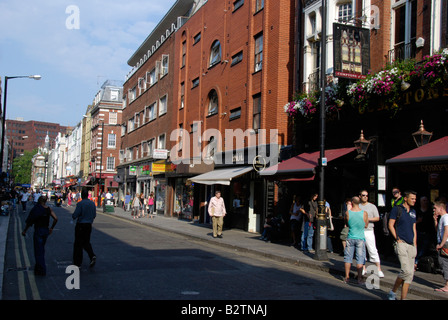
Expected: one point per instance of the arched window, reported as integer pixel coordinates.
(215, 53)
(212, 102)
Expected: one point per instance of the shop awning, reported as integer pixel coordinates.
(305, 163)
(221, 176)
(436, 151)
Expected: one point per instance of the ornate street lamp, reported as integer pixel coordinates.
(362, 145)
(35, 77)
(421, 136)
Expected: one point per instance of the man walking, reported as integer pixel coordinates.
(403, 230)
(373, 216)
(85, 213)
(217, 210)
(356, 220)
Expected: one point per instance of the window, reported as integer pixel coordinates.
(259, 4)
(136, 120)
(165, 61)
(345, 12)
(235, 113)
(182, 95)
(258, 52)
(150, 112)
(184, 54)
(215, 53)
(197, 38)
(123, 129)
(151, 77)
(195, 83)
(404, 29)
(237, 58)
(114, 94)
(161, 142)
(257, 112)
(150, 146)
(113, 117)
(141, 85)
(130, 124)
(162, 105)
(132, 94)
(212, 102)
(111, 140)
(237, 4)
(110, 165)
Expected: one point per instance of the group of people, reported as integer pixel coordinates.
(40, 216)
(140, 205)
(402, 223)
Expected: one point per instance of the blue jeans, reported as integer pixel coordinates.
(307, 236)
(40, 238)
(357, 247)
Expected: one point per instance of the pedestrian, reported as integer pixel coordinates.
(296, 212)
(136, 206)
(426, 230)
(84, 215)
(142, 205)
(151, 205)
(308, 224)
(373, 216)
(330, 226)
(356, 220)
(127, 201)
(402, 227)
(25, 197)
(442, 239)
(344, 231)
(217, 210)
(36, 196)
(40, 217)
(397, 199)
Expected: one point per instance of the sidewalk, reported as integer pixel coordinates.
(423, 284)
(4, 223)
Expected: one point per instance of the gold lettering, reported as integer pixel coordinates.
(407, 95)
(419, 95)
(432, 93)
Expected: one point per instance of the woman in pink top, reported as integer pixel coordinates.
(151, 205)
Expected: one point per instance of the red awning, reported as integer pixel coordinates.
(436, 151)
(304, 163)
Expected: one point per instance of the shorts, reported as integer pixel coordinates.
(355, 247)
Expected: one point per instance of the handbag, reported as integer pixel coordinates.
(444, 251)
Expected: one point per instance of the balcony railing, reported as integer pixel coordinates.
(401, 52)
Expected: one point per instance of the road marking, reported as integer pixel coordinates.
(21, 278)
(31, 279)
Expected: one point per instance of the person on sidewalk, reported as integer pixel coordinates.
(85, 214)
(296, 216)
(356, 220)
(40, 217)
(402, 228)
(373, 216)
(442, 239)
(397, 199)
(217, 210)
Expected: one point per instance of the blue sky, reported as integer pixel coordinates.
(38, 38)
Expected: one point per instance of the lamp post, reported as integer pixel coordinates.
(321, 239)
(35, 77)
(362, 144)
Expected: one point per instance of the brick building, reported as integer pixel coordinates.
(218, 66)
(28, 135)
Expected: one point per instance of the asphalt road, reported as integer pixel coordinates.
(136, 262)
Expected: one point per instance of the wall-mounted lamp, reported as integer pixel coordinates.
(421, 136)
(362, 145)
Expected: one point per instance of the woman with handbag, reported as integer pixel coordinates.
(442, 238)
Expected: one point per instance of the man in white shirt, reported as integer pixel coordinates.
(217, 210)
(442, 238)
(369, 233)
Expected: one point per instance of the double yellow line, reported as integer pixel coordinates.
(19, 241)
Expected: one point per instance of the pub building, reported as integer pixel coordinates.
(376, 150)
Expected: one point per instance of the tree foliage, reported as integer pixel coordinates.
(21, 168)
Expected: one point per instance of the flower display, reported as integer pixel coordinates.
(381, 91)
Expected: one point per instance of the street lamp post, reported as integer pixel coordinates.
(321, 239)
(35, 77)
(101, 159)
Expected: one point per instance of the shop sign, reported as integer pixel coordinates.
(161, 167)
(145, 170)
(160, 154)
(433, 167)
(132, 170)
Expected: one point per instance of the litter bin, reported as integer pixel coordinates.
(109, 206)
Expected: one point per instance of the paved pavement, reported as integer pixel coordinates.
(239, 240)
